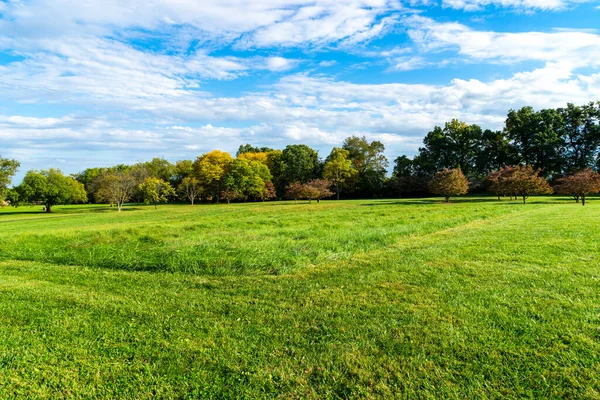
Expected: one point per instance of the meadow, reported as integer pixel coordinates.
(350, 299)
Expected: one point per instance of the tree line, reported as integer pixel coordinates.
(536, 152)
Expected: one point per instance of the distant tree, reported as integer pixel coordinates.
(338, 169)
(248, 148)
(370, 163)
(258, 156)
(581, 132)
(300, 163)
(50, 188)
(407, 178)
(294, 191)
(116, 188)
(156, 191)
(519, 181)
(162, 169)
(190, 188)
(210, 169)
(269, 192)
(449, 183)
(229, 195)
(247, 179)
(309, 192)
(7, 170)
(322, 186)
(183, 169)
(580, 185)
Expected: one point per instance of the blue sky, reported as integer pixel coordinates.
(98, 82)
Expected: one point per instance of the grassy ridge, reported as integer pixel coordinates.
(505, 305)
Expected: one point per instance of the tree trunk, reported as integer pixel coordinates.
(48, 208)
(119, 206)
(447, 199)
(338, 195)
(583, 200)
(155, 206)
(192, 201)
(318, 200)
(524, 199)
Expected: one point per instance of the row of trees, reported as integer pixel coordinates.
(517, 181)
(557, 142)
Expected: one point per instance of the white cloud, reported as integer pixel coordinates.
(575, 47)
(542, 5)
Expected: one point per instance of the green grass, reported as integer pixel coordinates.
(380, 299)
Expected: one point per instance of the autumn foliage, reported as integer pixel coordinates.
(449, 183)
(518, 181)
(580, 185)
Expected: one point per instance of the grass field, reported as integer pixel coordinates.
(353, 299)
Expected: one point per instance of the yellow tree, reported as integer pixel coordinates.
(210, 169)
(338, 169)
(449, 183)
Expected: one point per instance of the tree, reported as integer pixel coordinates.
(247, 179)
(248, 148)
(190, 188)
(406, 178)
(370, 162)
(183, 169)
(210, 170)
(454, 146)
(162, 169)
(294, 191)
(300, 163)
(50, 188)
(449, 183)
(116, 188)
(581, 132)
(519, 181)
(156, 191)
(580, 185)
(338, 169)
(322, 186)
(7, 170)
(229, 195)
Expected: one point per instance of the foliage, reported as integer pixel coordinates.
(338, 169)
(156, 191)
(190, 188)
(322, 189)
(7, 169)
(116, 188)
(580, 185)
(370, 163)
(50, 188)
(300, 163)
(449, 183)
(210, 169)
(519, 181)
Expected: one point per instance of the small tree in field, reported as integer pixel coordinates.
(310, 193)
(521, 181)
(190, 188)
(268, 192)
(229, 195)
(322, 186)
(293, 191)
(449, 183)
(580, 185)
(115, 188)
(156, 191)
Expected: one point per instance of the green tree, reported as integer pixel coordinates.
(370, 163)
(247, 179)
(338, 169)
(581, 133)
(156, 191)
(50, 188)
(300, 163)
(8, 168)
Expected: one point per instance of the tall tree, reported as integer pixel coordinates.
(581, 132)
(8, 168)
(50, 188)
(116, 188)
(190, 188)
(456, 145)
(300, 163)
(369, 161)
(338, 169)
(156, 191)
(210, 169)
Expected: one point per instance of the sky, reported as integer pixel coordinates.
(87, 83)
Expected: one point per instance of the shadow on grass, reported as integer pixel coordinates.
(469, 200)
(67, 211)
